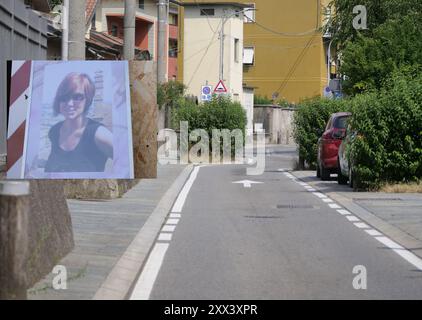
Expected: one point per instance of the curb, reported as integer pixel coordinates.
(124, 274)
(401, 237)
(404, 239)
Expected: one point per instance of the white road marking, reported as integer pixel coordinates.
(410, 257)
(404, 253)
(247, 183)
(180, 202)
(389, 243)
(149, 274)
(164, 237)
(344, 212)
(373, 232)
(173, 221)
(319, 195)
(362, 225)
(352, 218)
(167, 228)
(334, 206)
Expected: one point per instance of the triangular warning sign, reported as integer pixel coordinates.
(220, 88)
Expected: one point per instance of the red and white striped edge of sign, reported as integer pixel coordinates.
(18, 110)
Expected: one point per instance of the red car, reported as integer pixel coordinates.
(329, 143)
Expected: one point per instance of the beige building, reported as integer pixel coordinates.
(202, 48)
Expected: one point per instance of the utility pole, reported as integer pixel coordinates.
(162, 40)
(130, 28)
(65, 30)
(329, 62)
(223, 21)
(77, 29)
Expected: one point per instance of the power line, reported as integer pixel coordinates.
(203, 56)
(301, 55)
(206, 14)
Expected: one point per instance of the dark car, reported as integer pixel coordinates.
(328, 144)
(345, 162)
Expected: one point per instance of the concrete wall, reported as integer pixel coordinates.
(277, 122)
(23, 37)
(201, 52)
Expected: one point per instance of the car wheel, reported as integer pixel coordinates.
(340, 178)
(318, 171)
(325, 173)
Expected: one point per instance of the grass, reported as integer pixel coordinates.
(402, 188)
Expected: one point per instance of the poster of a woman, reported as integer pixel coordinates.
(79, 121)
(78, 144)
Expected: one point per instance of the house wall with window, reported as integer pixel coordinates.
(109, 18)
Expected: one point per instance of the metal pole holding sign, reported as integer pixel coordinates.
(14, 211)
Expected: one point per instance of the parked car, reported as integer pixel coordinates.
(345, 162)
(328, 144)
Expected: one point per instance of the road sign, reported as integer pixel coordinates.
(220, 88)
(206, 93)
(328, 93)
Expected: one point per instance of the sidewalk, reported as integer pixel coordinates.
(398, 215)
(103, 230)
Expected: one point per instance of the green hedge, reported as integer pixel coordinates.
(388, 147)
(309, 121)
(389, 122)
(220, 113)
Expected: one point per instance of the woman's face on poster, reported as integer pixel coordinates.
(72, 105)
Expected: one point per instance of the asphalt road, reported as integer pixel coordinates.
(274, 240)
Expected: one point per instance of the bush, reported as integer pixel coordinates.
(220, 113)
(388, 147)
(309, 122)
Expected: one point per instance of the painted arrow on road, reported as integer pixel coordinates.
(247, 183)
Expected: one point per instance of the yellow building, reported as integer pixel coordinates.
(285, 53)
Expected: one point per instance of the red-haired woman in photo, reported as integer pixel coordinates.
(78, 144)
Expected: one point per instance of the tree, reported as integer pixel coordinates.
(378, 13)
(391, 40)
(368, 61)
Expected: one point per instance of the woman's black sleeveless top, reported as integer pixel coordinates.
(86, 157)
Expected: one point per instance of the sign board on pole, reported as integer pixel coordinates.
(206, 93)
(328, 93)
(220, 88)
